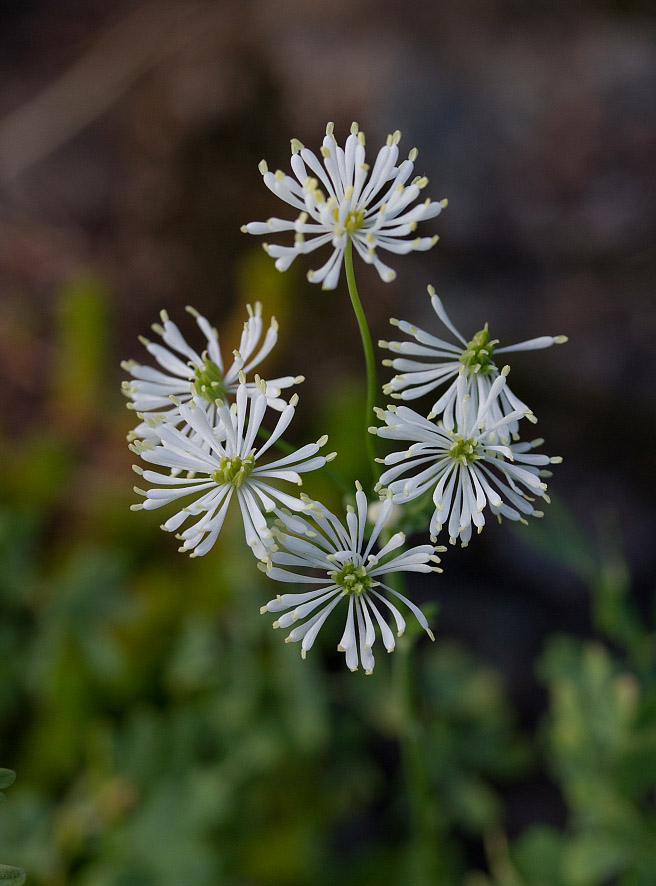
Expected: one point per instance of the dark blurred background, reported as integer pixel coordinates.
(160, 731)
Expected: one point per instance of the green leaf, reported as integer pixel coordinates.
(593, 858)
(16, 876)
(538, 855)
(7, 777)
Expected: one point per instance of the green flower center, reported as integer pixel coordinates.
(209, 381)
(477, 356)
(463, 449)
(233, 470)
(353, 579)
(353, 221)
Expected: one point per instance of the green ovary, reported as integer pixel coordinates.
(233, 470)
(477, 356)
(463, 449)
(209, 381)
(353, 579)
(353, 221)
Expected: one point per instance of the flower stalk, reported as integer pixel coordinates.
(369, 358)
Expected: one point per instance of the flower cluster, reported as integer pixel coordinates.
(443, 362)
(345, 201)
(465, 464)
(465, 457)
(228, 465)
(349, 566)
(183, 374)
(202, 421)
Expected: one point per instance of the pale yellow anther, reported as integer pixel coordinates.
(297, 146)
(412, 156)
(330, 127)
(279, 175)
(348, 193)
(354, 128)
(444, 203)
(325, 152)
(263, 167)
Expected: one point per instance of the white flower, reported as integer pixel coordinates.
(443, 362)
(185, 373)
(342, 564)
(466, 465)
(340, 200)
(223, 469)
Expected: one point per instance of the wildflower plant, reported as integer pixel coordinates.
(202, 424)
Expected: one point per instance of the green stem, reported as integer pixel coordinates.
(369, 357)
(426, 863)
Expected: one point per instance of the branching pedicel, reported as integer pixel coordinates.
(199, 422)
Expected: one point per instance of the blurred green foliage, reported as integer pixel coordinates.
(7, 872)
(164, 734)
(599, 735)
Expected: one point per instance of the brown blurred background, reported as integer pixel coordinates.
(130, 135)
